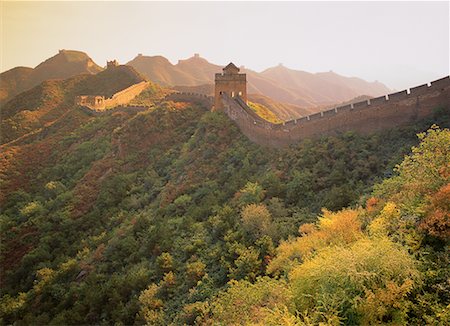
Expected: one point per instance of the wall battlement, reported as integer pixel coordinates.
(368, 116)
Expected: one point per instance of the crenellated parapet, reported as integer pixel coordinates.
(379, 113)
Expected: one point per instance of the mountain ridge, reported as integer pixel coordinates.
(290, 88)
(306, 90)
(65, 64)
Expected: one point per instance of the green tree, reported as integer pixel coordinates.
(366, 283)
(256, 220)
(247, 265)
(252, 193)
(244, 303)
(164, 262)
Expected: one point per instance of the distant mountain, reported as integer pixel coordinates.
(305, 92)
(321, 88)
(65, 64)
(191, 72)
(356, 84)
(282, 84)
(198, 68)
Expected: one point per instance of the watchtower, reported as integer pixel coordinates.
(230, 82)
(112, 64)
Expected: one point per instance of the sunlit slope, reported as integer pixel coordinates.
(65, 64)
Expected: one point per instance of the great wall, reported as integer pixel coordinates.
(99, 103)
(364, 117)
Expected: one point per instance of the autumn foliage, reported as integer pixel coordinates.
(172, 216)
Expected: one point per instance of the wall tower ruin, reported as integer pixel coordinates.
(112, 64)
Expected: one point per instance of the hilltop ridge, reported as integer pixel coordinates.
(65, 64)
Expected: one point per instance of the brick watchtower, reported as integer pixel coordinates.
(230, 82)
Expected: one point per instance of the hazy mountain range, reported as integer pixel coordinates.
(296, 92)
(280, 83)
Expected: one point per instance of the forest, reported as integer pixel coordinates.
(172, 217)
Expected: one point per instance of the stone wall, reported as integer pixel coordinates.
(126, 95)
(123, 97)
(364, 117)
(93, 102)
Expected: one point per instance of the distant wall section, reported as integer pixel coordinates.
(126, 95)
(93, 102)
(123, 97)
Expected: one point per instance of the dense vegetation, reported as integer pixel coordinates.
(172, 216)
(264, 112)
(51, 100)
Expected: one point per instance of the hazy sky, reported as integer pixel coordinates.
(398, 43)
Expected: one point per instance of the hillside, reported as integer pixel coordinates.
(13, 81)
(46, 103)
(283, 111)
(109, 81)
(206, 89)
(65, 64)
(357, 99)
(282, 84)
(172, 216)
